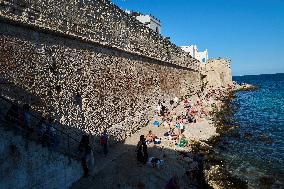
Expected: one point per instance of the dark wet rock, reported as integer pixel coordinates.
(264, 138)
(226, 143)
(235, 134)
(222, 147)
(219, 177)
(213, 140)
(269, 141)
(248, 136)
(214, 159)
(201, 148)
(266, 182)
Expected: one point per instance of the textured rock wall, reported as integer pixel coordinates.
(218, 73)
(25, 164)
(86, 86)
(96, 21)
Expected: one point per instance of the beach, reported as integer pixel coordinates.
(120, 169)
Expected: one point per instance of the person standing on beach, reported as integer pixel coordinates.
(159, 107)
(141, 150)
(104, 141)
(85, 151)
(145, 151)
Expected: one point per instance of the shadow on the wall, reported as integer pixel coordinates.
(13, 103)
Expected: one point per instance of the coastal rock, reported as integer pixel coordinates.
(248, 136)
(235, 134)
(266, 182)
(264, 138)
(245, 87)
(219, 178)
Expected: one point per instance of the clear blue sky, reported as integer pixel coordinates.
(249, 32)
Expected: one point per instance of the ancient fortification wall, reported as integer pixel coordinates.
(25, 164)
(84, 85)
(218, 73)
(95, 21)
(89, 64)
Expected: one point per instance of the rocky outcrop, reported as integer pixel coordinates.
(217, 73)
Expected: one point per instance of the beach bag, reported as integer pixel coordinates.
(178, 126)
(183, 142)
(157, 141)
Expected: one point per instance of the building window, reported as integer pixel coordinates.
(157, 29)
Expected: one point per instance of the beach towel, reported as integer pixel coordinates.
(183, 142)
(156, 123)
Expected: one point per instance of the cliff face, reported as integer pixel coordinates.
(218, 73)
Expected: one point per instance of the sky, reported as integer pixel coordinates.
(249, 32)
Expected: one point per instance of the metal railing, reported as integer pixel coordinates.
(66, 144)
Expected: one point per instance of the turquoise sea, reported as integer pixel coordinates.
(255, 150)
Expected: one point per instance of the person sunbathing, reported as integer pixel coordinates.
(150, 137)
(173, 135)
(185, 103)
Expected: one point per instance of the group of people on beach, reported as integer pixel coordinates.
(192, 108)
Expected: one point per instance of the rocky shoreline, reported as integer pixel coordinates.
(216, 174)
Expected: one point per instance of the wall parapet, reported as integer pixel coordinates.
(97, 21)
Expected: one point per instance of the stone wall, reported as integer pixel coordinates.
(96, 21)
(84, 85)
(218, 73)
(26, 164)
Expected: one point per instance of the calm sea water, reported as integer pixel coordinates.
(255, 152)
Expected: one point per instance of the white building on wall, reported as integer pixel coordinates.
(193, 51)
(148, 20)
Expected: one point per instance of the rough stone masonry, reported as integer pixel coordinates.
(88, 64)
